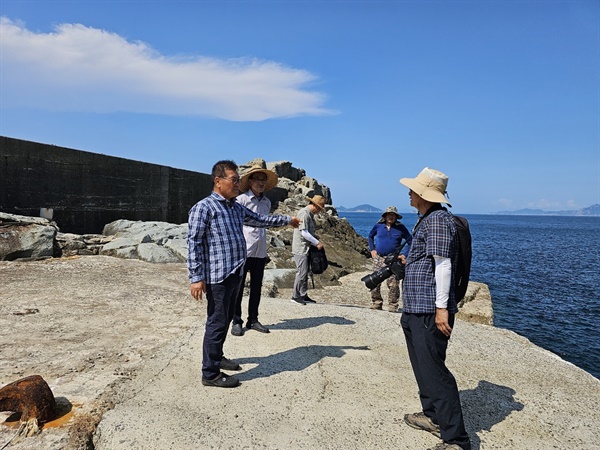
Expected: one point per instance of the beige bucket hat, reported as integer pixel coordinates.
(318, 201)
(390, 209)
(430, 185)
(272, 178)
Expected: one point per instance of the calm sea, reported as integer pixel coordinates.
(544, 276)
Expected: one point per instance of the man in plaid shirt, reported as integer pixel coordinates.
(428, 311)
(216, 256)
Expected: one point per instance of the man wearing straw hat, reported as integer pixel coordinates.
(429, 307)
(253, 185)
(304, 237)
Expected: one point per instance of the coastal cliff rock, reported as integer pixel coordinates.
(477, 307)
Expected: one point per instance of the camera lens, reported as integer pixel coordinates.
(375, 278)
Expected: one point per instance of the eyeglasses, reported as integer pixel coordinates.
(259, 180)
(234, 180)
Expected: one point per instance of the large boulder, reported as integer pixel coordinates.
(157, 242)
(24, 237)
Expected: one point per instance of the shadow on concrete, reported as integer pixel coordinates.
(293, 360)
(485, 406)
(310, 322)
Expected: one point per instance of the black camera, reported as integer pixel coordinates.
(393, 266)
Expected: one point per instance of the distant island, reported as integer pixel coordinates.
(359, 208)
(593, 210)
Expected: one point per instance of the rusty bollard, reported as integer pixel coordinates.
(33, 398)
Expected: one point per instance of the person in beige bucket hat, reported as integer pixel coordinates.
(430, 185)
(428, 310)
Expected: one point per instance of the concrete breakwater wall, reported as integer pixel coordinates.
(87, 190)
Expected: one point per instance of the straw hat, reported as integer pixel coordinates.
(430, 185)
(272, 178)
(318, 201)
(390, 209)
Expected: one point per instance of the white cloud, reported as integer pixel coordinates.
(77, 68)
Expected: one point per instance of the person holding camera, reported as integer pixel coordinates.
(385, 239)
(428, 310)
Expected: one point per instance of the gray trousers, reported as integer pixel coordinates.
(301, 281)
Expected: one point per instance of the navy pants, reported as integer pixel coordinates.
(256, 268)
(437, 387)
(221, 298)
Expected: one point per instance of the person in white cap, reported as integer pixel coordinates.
(429, 307)
(385, 238)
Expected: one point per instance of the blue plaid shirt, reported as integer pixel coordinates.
(435, 235)
(216, 244)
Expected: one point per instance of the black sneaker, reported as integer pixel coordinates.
(223, 380)
(227, 364)
(237, 330)
(307, 299)
(300, 301)
(257, 326)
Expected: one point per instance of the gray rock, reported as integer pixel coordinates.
(23, 237)
(118, 243)
(156, 254)
(284, 169)
(179, 247)
(116, 227)
(125, 253)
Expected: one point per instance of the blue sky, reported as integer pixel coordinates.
(502, 96)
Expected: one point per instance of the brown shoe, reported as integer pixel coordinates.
(421, 422)
(445, 446)
(376, 306)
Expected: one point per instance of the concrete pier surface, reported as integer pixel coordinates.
(120, 341)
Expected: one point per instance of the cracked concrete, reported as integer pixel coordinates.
(120, 341)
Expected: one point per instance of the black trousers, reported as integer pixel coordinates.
(256, 268)
(220, 299)
(437, 387)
